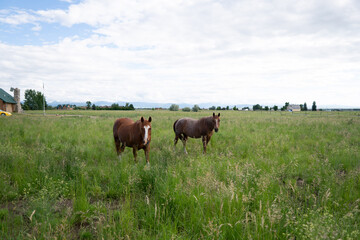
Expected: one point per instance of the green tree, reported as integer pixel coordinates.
(275, 108)
(266, 108)
(257, 107)
(212, 108)
(227, 108)
(235, 108)
(174, 107)
(93, 107)
(284, 108)
(128, 106)
(186, 109)
(115, 106)
(305, 107)
(195, 108)
(218, 108)
(34, 100)
(88, 105)
(313, 108)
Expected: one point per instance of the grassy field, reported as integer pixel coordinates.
(265, 176)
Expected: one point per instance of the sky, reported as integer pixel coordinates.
(183, 51)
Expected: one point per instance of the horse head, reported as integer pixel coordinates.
(216, 121)
(145, 130)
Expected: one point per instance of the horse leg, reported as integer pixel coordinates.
(184, 139)
(147, 153)
(117, 145)
(135, 153)
(208, 139)
(175, 141)
(204, 141)
(120, 149)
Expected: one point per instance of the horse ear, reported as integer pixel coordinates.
(219, 115)
(149, 119)
(142, 119)
(213, 114)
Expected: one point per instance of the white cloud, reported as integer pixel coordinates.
(16, 17)
(194, 51)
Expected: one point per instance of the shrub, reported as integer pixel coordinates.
(174, 107)
(195, 108)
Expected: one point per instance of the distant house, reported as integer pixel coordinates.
(7, 102)
(65, 107)
(68, 107)
(294, 108)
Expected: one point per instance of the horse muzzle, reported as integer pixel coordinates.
(216, 129)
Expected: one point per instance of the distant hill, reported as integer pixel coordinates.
(182, 105)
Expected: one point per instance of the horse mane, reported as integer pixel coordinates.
(137, 123)
(137, 126)
(209, 123)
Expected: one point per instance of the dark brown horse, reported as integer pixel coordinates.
(137, 135)
(202, 128)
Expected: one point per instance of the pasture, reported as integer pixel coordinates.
(265, 176)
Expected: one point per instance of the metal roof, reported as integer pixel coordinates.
(294, 106)
(6, 97)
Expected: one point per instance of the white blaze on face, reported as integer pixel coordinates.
(217, 123)
(146, 133)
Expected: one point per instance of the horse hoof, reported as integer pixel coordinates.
(147, 166)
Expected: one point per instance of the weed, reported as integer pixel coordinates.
(265, 176)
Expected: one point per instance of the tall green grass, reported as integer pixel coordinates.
(265, 176)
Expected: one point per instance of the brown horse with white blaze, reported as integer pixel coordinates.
(136, 135)
(202, 128)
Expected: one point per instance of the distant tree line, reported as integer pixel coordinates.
(195, 108)
(90, 106)
(114, 106)
(303, 107)
(222, 108)
(256, 107)
(35, 100)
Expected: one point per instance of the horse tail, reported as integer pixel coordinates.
(174, 125)
(115, 128)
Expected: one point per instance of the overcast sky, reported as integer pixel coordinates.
(221, 51)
